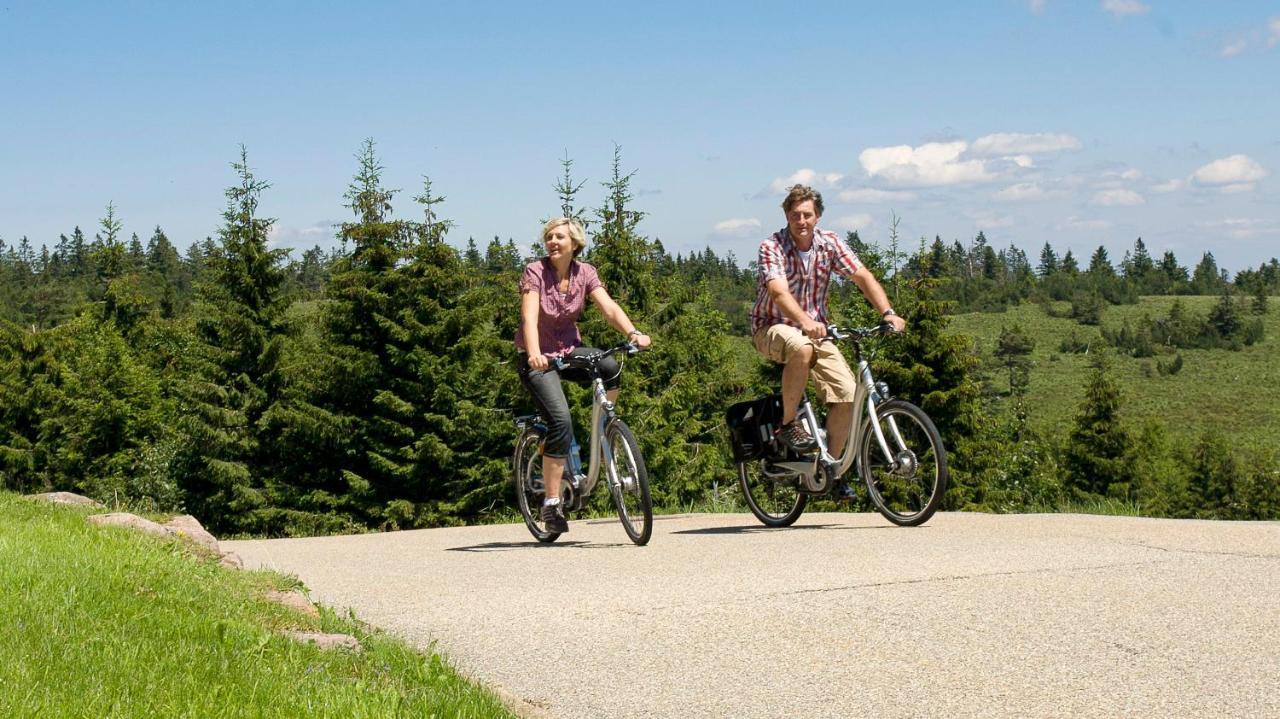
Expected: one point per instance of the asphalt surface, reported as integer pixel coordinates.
(842, 615)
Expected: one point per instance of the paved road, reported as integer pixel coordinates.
(842, 615)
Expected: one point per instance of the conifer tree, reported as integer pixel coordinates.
(30, 378)
(357, 413)
(1013, 348)
(1224, 319)
(1095, 452)
(1100, 265)
(1207, 278)
(1173, 277)
(623, 257)
(234, 373)
(567, 191)
(1069, 264)
(1048, 261)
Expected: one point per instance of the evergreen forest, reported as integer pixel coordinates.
(372, 386)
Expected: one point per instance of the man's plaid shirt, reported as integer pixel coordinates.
(780, 258)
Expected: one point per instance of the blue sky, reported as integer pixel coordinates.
(1080, 123)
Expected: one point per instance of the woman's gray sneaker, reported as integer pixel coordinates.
(553, 518)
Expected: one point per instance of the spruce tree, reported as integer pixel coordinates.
(567, 191)
(1207, 278)
(30, 382)
(1013, 348)
(621, 255)
(233, 373)
(1069, 264)
(1095, 452)
(364, 411)
(1048, 261)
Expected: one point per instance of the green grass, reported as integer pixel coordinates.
(1216, 388)
(106, 622)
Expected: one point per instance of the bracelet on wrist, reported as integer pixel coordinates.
(634, 333)
(888, 313)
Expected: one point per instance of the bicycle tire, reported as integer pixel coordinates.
(775, 503)
(526, 465)
(908, 488)
(631, 492)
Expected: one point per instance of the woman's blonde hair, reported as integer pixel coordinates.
(576, 233)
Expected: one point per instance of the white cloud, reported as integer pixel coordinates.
(1037, 6)
(1234, 47)
(1023, 161)
(1170, 186)
(806, 176)
(849, 223)
(738, 227)
(1238, 43)
(1003, 144)
(1233, 170)
(1238, 187)
(988, 220)
(929, 165)
(1129, 174)
(1120, 8)
(317, 233)
(1024, 191)
(1243, 228)
(1117, 198)
(1074, 223)
(872, 195)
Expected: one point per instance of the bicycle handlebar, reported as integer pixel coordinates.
(857, 333)
(590, 361)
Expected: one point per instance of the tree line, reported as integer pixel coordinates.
(372, 386)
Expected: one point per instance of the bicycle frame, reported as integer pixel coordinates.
(864, 405)
(601, 415)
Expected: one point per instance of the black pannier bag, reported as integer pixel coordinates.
(751, 426)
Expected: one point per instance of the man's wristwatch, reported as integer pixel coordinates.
(634, 333)
(888, 313)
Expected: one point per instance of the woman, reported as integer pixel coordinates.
(553, 293)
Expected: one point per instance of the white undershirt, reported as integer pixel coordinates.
(804, 257)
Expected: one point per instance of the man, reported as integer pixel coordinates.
(790, 316)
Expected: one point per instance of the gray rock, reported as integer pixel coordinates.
(231, 560)
(325, 641)
(66, 498)
(294, 600)
(133, 521)
(189, 528)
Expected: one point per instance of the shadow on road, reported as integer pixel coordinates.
(508, 546)
(753, 528)
(756, 528)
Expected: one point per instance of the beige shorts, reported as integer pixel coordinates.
(830, 372)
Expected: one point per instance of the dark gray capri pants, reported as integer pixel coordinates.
(548, 395)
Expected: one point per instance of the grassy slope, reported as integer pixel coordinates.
(107, 622)
(1230, 390)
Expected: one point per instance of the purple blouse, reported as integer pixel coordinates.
(558, 311)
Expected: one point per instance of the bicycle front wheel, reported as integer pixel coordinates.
(906, 487)
(530, 491)
(775, 500)
(629, 483)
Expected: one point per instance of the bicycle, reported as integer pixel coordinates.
(611, 439)
(896, 447)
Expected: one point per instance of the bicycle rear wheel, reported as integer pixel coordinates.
(527, 473)
(907, 487)
(629, 482)
(776, 501)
